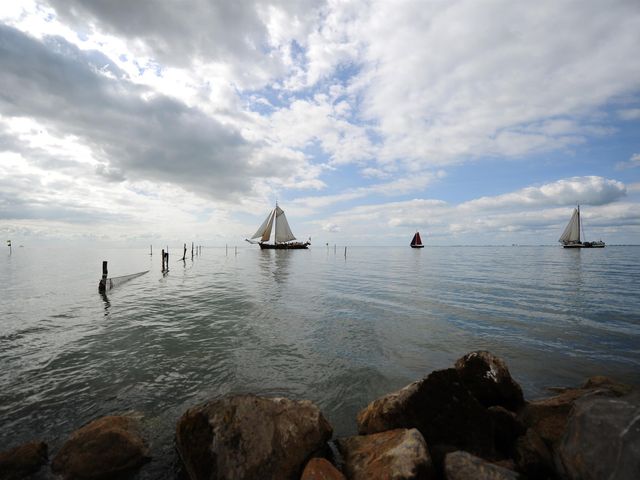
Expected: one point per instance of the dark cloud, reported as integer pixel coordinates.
(159, 139)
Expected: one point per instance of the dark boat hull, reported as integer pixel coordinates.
(284, 246)
(417, 246)
(585, 245)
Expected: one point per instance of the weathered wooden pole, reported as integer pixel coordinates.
(345, 252)
(184, 254)
(151, 250)
(163, 257)
(226, 250)
(102, 286)
(191, 250)
(167, 255)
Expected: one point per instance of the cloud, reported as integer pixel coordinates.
(590, 190)
(629, 113)
(130, 134)
(633, 162)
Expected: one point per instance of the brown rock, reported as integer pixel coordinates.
(21, 461)
(102, 449)
(464, 466)
(488, 379)
(394, 455)
(321, 469)
(247, 437)
(533, 457)
(602, 439)
(548, 416)
(507, 429)
(440, 407)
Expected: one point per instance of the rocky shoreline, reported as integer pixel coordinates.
(470, 421)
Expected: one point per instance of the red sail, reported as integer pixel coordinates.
(416, 239)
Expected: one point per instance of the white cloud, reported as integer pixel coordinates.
(633, 162)
(629, 113)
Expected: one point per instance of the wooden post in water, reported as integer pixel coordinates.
(184, 254)
(151, 250)
(226, 250)
(345, 252)
(191, 250)
(163, 257)
(102, 286)
(167, 255)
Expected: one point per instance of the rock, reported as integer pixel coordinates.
(548, 416)
(246, 437)
(464, 466)
(488, 379)
(321, 469)
(440, 407)
(507, 428)
(533, 457)
(393, 455)
(22, 461)
(102, 449)
(602, 439)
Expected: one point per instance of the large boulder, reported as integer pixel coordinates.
(21, 461)
(248, 437)
(321, 469)
(507, 428)
(602, 439)
(548, 416)
(488, 379)
(441, 407)
(104, 448)
(393, 455)
(464, 466)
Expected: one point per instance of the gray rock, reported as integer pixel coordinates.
(393, 455)
(464, 466)
(488, 379)
(250, 437)
(602, 439)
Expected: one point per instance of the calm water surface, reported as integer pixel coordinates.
(304, 324)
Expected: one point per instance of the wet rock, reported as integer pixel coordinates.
(393, 455)
(21, 461)
(321, 469)
(102, 449)
(247, 437)
(533, 457)
(488, 379)
(507, 429)
(464, 466)
(602, 439)
(441, 407)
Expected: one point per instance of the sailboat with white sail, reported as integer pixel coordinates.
(283, 237)
(570, 238)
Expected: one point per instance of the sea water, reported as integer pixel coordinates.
(307, 324)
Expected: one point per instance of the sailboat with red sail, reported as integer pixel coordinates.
(416, 241)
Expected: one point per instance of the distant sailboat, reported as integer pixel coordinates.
(283, 235)
(416, 241)
(570, 238)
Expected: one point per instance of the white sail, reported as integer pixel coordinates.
(283, 232)
(571, 233)
(265, 229)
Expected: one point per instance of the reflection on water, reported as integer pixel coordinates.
(302, 323)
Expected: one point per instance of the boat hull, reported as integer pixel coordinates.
(284, 246)
(585, 245)
(417, 246)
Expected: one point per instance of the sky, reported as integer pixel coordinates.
(474, 122)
